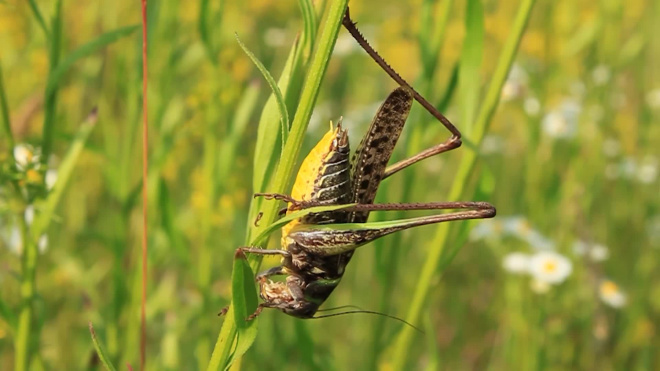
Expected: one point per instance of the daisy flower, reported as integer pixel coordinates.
(550, 267)
(611, 295)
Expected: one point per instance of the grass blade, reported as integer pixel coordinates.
(50, 100)
(469, 81)
(83, 51)
(100, 350)
(402, 344)
(4, 112)
(279, 99)
(282, 180)
(309, 24)
(264, 154)
(244, 303)
(65, 170)
(39, 17)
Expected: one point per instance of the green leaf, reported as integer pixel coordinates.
(469, 78)
(265, 158)
(279, 98)
(83, 51)
(8, 315)
(100, 350)
(47, 207)
(39, 17)
(458, 190)
(282, 179)
(244, 303)
(309, 25)
(4, 113)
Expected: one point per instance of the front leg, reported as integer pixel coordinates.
(286, 256)
(293, 203)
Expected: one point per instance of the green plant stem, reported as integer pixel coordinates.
(50, 104)
(39, 17)
(402, 345)
(4, 113)
(28, 276)
(317, 69)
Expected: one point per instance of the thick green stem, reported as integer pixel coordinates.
(281, 182)
(28, 269)
(468, 162)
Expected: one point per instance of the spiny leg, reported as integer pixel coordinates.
(295, 204)
(259, 251)
(451, 143)
(475, 205)
(329, 240)
(350, 27)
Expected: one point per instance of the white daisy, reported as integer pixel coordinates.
(550, 267)
(599, 253)
(611, 295)
(515, 85)
(51, 178)
(653, 98)
(647, 171)
(29, 214)
(611, 147)
(580, 248)
(601, 74)
(25, 154)
(562, 123)
(516, 262)
(538, 241)
(489, 228)
(42, 244)
(532, 106)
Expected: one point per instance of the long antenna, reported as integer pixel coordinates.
(352, 29)
(369, 312)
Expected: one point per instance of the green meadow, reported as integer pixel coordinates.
(558, 103)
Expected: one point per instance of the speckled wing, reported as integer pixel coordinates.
(375, 150)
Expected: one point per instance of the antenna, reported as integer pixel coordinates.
(350, 26)
(368, 312)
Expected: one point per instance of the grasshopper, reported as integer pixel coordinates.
(316, 248)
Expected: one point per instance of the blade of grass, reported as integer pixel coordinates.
(264, 159)
(4, 107)
(64, 172)
(87, 49)
(469, 82)
(279, 99)
(100, 351)
(244, 303)
(309, 24)
(39, 17)
(50, 101)
(402, 344)
(317, 69)
(30, 249)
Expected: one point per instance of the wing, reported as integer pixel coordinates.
(375, 149)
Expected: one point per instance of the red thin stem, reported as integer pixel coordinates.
(145, 147)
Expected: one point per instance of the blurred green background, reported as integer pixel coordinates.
(565, 277)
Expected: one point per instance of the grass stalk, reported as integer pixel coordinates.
(4, 113)
(458, 190)
(50, 104)
(28, 267)
(317, 68)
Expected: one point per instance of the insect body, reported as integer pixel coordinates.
(315, 249)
